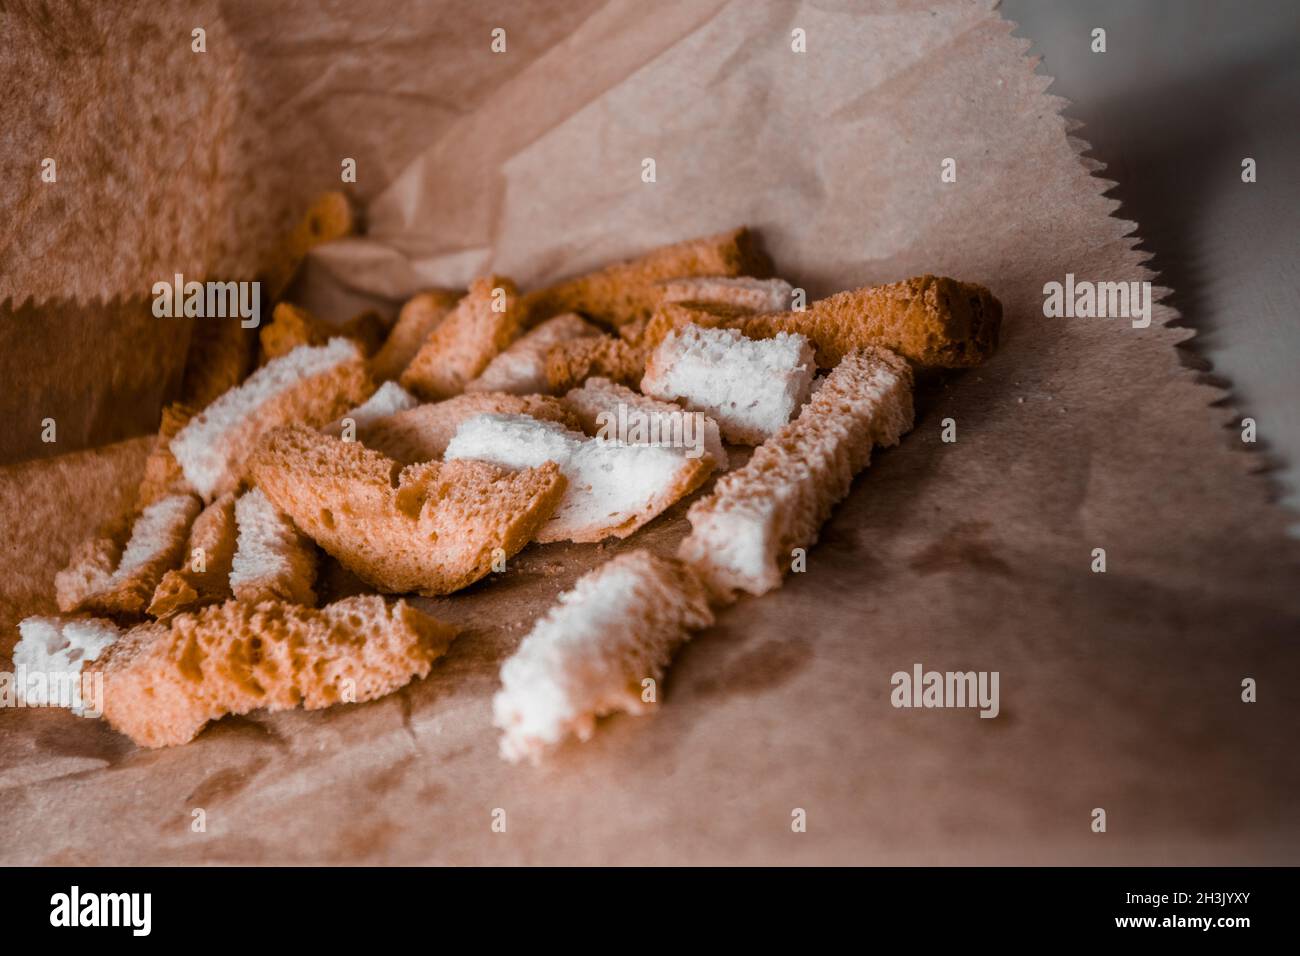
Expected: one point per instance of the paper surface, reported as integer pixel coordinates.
(1119, 690)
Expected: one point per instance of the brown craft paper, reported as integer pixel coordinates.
(1118, 690)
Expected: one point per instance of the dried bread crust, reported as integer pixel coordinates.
(162, 682)
(432, 528)
(744, 531)
(627, 291)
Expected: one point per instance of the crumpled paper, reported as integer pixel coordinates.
(1118, 690)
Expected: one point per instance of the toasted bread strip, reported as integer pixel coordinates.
(157, 542)
(204, 577)
(521, 368)
(162, 472)
(627, 291)
(292, 326)
(419, 316)
(164, 681)
(751, 388)
(389, 399)
(422, 433)
(591, 652)
(457, 351)
(312, 384)
(613, 487)
(221, 354)
(569, 364)
(934, 321)
(743, 533)
(272, 561)
(50, 655)
(740, 292)
(436, 530)
(608, 410)
(330, 217)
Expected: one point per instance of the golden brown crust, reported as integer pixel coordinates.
(163, 682)
(569, 364)
(933, 321)
(162, 472)
(457, 351)
(629, 290)
(433, 528)
(422, 433)
(188, 587)
(419, 316)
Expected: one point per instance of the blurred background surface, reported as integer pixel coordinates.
(1184, 92)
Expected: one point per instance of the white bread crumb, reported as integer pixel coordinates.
(589, 654)
(750, 387)
(50, 653)
(611, 410)
(613, 487)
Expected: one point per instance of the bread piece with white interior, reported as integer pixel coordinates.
(613, 487)
(751, 388)
(591, 653)
(312, 385)
(744, 531)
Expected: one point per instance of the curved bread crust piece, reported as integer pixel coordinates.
(434, 528)
(162, 472)
(156, 545)
(606, 409)
(58, 648)
(272, 561)
(751, 388)
(194, 584)
(457, 351)
(934, 321)
(419, 316)
(628, 290)
(569, 364)
(613, 487)
(422, 433)
(312, 385)
(164, 682)
(588, 655)
(292, 326)
(521, 368)
(741, 292)
(742, 534)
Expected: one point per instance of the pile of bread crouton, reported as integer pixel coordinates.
(423, 456)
